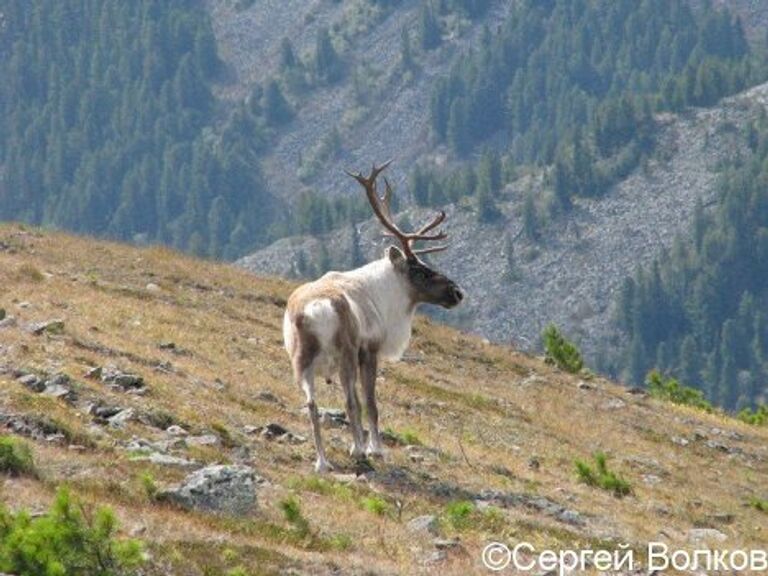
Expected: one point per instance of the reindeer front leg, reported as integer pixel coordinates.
(348, 376)
(368, 363)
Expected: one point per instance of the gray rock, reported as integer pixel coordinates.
(168, 460)
(8, 322)
(33, 382)
(125, 381)
(330, 417)
(435, 557)
(704, 535)
(445, 543)
(176, 430)
(267, 396)
(94, 373)
(58, 391)
(48, 327)
(221, 489)
(120, 419)
(273, 431)
(427, 523)
(203, 440)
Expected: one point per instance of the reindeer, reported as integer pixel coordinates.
(348, 321)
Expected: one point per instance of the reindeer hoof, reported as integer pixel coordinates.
(323, 466)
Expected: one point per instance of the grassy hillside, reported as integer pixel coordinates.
(206, 340)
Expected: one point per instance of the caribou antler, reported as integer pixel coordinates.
(381, 207)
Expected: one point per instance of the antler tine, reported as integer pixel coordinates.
(382, 209)
(429, 250)
(386, 199)
(435, 222)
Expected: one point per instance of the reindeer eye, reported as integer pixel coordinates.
(419, 275)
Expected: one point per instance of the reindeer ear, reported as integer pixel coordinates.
(395, 255)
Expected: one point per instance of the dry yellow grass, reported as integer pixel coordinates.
(482, 413)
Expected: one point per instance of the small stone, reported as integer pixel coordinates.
(427, 523)
(570, 517)
(273, 430)
(94, 373)
(533, 463)
(267, 396)
(704, 535)
(152, 287)
(58, 391)
(637, 391)
(435, 557)
(680, 441)
(722, 518)
(104, 412)
(176, 430)
(582, 385)
(614, 404)
(76, 448)
(167, 460)
(120, 419)
(32, 382)
(8, 322)
(47, 327)
(651, 479)
(120, 379)
(445, 543)
(167, 345)
(203, 440)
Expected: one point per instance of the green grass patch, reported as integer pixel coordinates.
(16, 457)
(405, 437)
(463, 515)
(759, 504)
(292, 512)
(601, 477)
(375, 505)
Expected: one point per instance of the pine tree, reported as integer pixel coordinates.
(328, 65)
(276, 108)
(429, 28)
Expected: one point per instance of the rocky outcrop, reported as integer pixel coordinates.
(229, 490)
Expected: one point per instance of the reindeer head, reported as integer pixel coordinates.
(425, 284)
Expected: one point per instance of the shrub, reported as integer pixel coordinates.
(15, 457)
(149, 486)
(759, 504)
(459, 513)
(404, 438)
(564, 354)
(375, 504)
(671, 390)
(757, 417)
(292, 513)
(67, 540)
(601, 477)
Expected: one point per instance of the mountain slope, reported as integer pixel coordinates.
(571, 276)
(206, 340)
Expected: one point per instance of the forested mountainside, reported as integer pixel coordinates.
(699, 312)
(108, 126)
